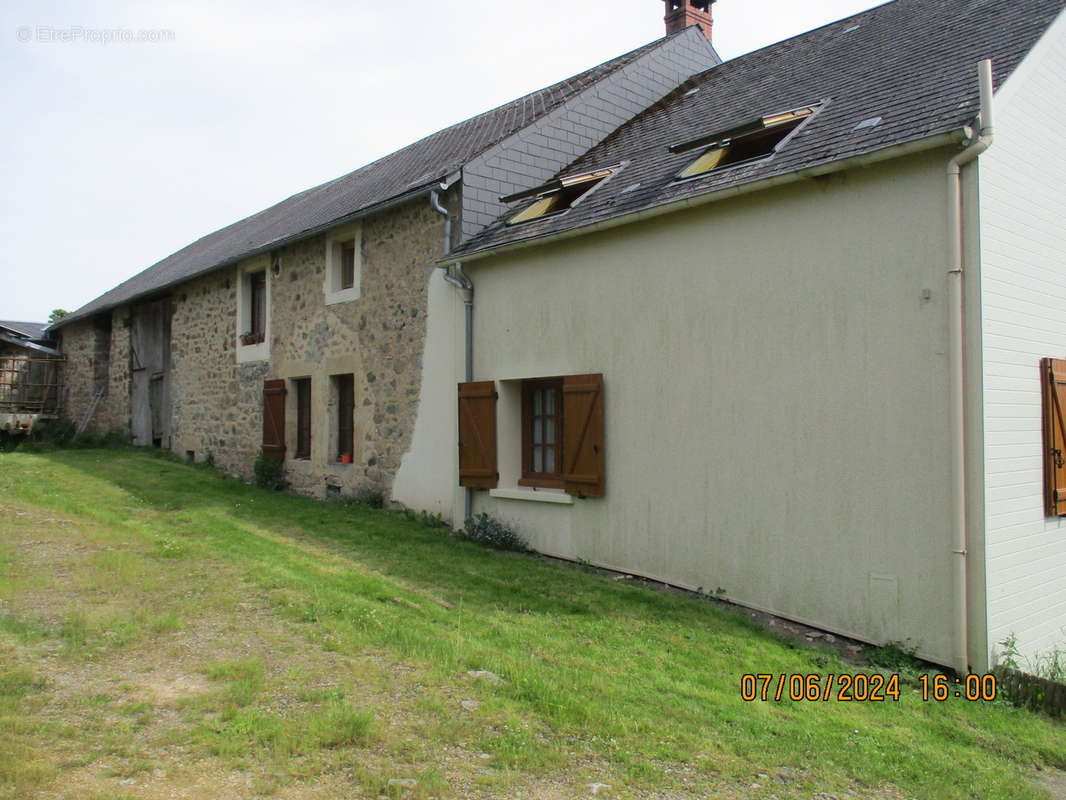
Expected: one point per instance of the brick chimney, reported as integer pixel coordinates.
(682, 13)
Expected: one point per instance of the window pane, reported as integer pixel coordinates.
(303, 418)
(345, 407)
(542, 420)
(347, 265)
(257, 323)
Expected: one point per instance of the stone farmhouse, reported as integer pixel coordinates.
(301, 329)
(788, 329)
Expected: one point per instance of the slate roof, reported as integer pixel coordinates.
(31, 330)
(417, 166)
(910, 62)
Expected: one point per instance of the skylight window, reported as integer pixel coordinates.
(750, 142)
(557, 196)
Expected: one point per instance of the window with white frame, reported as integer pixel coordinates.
(344, 264)
(253, 309)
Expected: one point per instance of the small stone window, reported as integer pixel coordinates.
(344, 264)
(348, 264)
(302, 387)
(344, 395)
(253, 310)
(257, 287)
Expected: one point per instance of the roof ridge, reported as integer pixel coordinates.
(486, 113)
(366, 186)
(801, 35)
(907, 69)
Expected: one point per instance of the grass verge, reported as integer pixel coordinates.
(598, 679)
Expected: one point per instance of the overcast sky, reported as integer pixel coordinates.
(115, 154)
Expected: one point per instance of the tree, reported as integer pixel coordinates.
(56, 315)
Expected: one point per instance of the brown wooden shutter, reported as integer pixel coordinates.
(477, 435)
(583, 447)
(274, 419)
(1053, 373)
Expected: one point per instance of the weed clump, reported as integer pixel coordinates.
(897, 656)
(486, 529)
(269, 473)
(371, 498)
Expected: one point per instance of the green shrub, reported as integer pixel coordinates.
(372, 498)
(52, 434)
(495, 533)
(269, 474)
(433, 520)
(58, 432)
(898, 656)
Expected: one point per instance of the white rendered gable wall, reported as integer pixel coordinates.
(1023, 276)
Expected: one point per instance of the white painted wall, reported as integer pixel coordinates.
(1023, 255)
(428, 476)
(775, 394)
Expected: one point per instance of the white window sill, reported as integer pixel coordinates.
(252, 352)
(536, 496)
(342, 296)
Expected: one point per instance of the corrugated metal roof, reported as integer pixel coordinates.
(31, 330)
(910, 62)
(29, 345)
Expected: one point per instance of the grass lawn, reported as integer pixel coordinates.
(168, 632)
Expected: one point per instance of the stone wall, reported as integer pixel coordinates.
(95, 359)
(113, 413)
(78, 343)
(378, 338)
(217, 401)
(212, 414)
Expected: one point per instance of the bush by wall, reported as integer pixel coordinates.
(492, 532)
(269, 473)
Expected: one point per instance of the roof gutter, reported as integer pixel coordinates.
(384, 205)
(956, 136)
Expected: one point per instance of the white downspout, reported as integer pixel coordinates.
(462, 282)
(956, 355)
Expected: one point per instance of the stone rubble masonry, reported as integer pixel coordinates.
(78, 344)
(378, 338)
(113, 413)
(211, 413)
(217, 403)
(92, 357)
